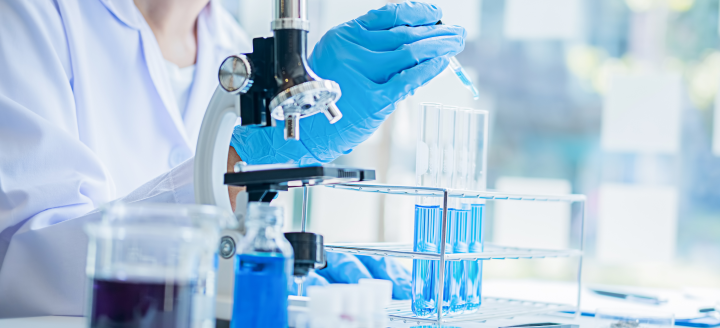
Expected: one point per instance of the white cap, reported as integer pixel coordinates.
(381, 290)
(324, 302)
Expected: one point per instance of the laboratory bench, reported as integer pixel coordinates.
(679, 302)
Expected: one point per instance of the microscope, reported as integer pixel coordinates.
(273, 83)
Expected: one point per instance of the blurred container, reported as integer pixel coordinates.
(263, 270)
(620, 318)
(153, 265)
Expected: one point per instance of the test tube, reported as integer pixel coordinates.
(463, 76)
(476, 180)
(428, 160)
(457, 233)
(447, 144)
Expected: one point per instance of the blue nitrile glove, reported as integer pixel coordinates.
(349, 269)
(377, 59)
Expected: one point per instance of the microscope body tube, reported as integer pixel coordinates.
(301, 92)
(290, 27)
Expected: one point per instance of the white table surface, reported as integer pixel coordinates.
(79, 322)
(680, 303)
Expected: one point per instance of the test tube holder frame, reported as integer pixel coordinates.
(492, 307)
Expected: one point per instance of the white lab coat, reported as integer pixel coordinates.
(87, 116)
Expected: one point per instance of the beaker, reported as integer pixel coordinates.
(154, 265)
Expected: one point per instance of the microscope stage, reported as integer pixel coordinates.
(283, 176)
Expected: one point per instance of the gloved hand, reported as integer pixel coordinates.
(377, 59)
(349, 269)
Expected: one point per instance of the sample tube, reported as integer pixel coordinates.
(476, 180)
(463, 76)
(456, 162)
(428, 161)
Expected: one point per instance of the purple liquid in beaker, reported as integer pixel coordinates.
(126, 304)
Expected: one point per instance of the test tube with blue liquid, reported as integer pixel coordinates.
(476, 180)
(451, 152)
(453, 141)
(462, 74)
(427, 212)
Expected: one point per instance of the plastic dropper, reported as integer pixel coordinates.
(461, 74)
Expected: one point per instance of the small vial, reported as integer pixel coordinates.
(463, 76)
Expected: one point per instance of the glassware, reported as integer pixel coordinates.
(427, 211)
(454, 141)
(153, 265)
(476, 180)
(263, 268)
(454, 137)
(463, 76)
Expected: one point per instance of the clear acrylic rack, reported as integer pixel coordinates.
(491, 308)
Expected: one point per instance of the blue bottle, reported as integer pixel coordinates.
(473, 286)
(263, 266)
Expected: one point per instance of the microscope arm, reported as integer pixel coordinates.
(211, 153)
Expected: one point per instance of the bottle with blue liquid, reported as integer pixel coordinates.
(263, 267)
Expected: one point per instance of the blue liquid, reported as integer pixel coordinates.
(454, 293)
(428, 220)
(473, 286)
(425, 274)
(261, 291)
(466, 81)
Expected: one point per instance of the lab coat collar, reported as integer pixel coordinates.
(125, 11)
(214, 42)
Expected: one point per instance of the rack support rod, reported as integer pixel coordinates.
(441, 282)
(304, 209)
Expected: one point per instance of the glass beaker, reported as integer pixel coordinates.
(263, 269)
(153, 265)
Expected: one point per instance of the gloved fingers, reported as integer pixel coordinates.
(404, 83)
(313, 279)
(344, 269)
(389, 269)
(391, 39)
(406, 57)
(408, 13)
(257, 145)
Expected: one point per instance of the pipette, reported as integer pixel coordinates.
(464, 78)
(461, 74)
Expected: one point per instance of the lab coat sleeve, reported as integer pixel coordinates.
(51, 183)
(50, 186)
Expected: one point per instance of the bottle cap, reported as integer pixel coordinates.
(261, 211)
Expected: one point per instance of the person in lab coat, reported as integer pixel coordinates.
(103, 100)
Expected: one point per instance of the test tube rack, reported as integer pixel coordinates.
(491, 308)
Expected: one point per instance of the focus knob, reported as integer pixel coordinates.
(236, 74)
